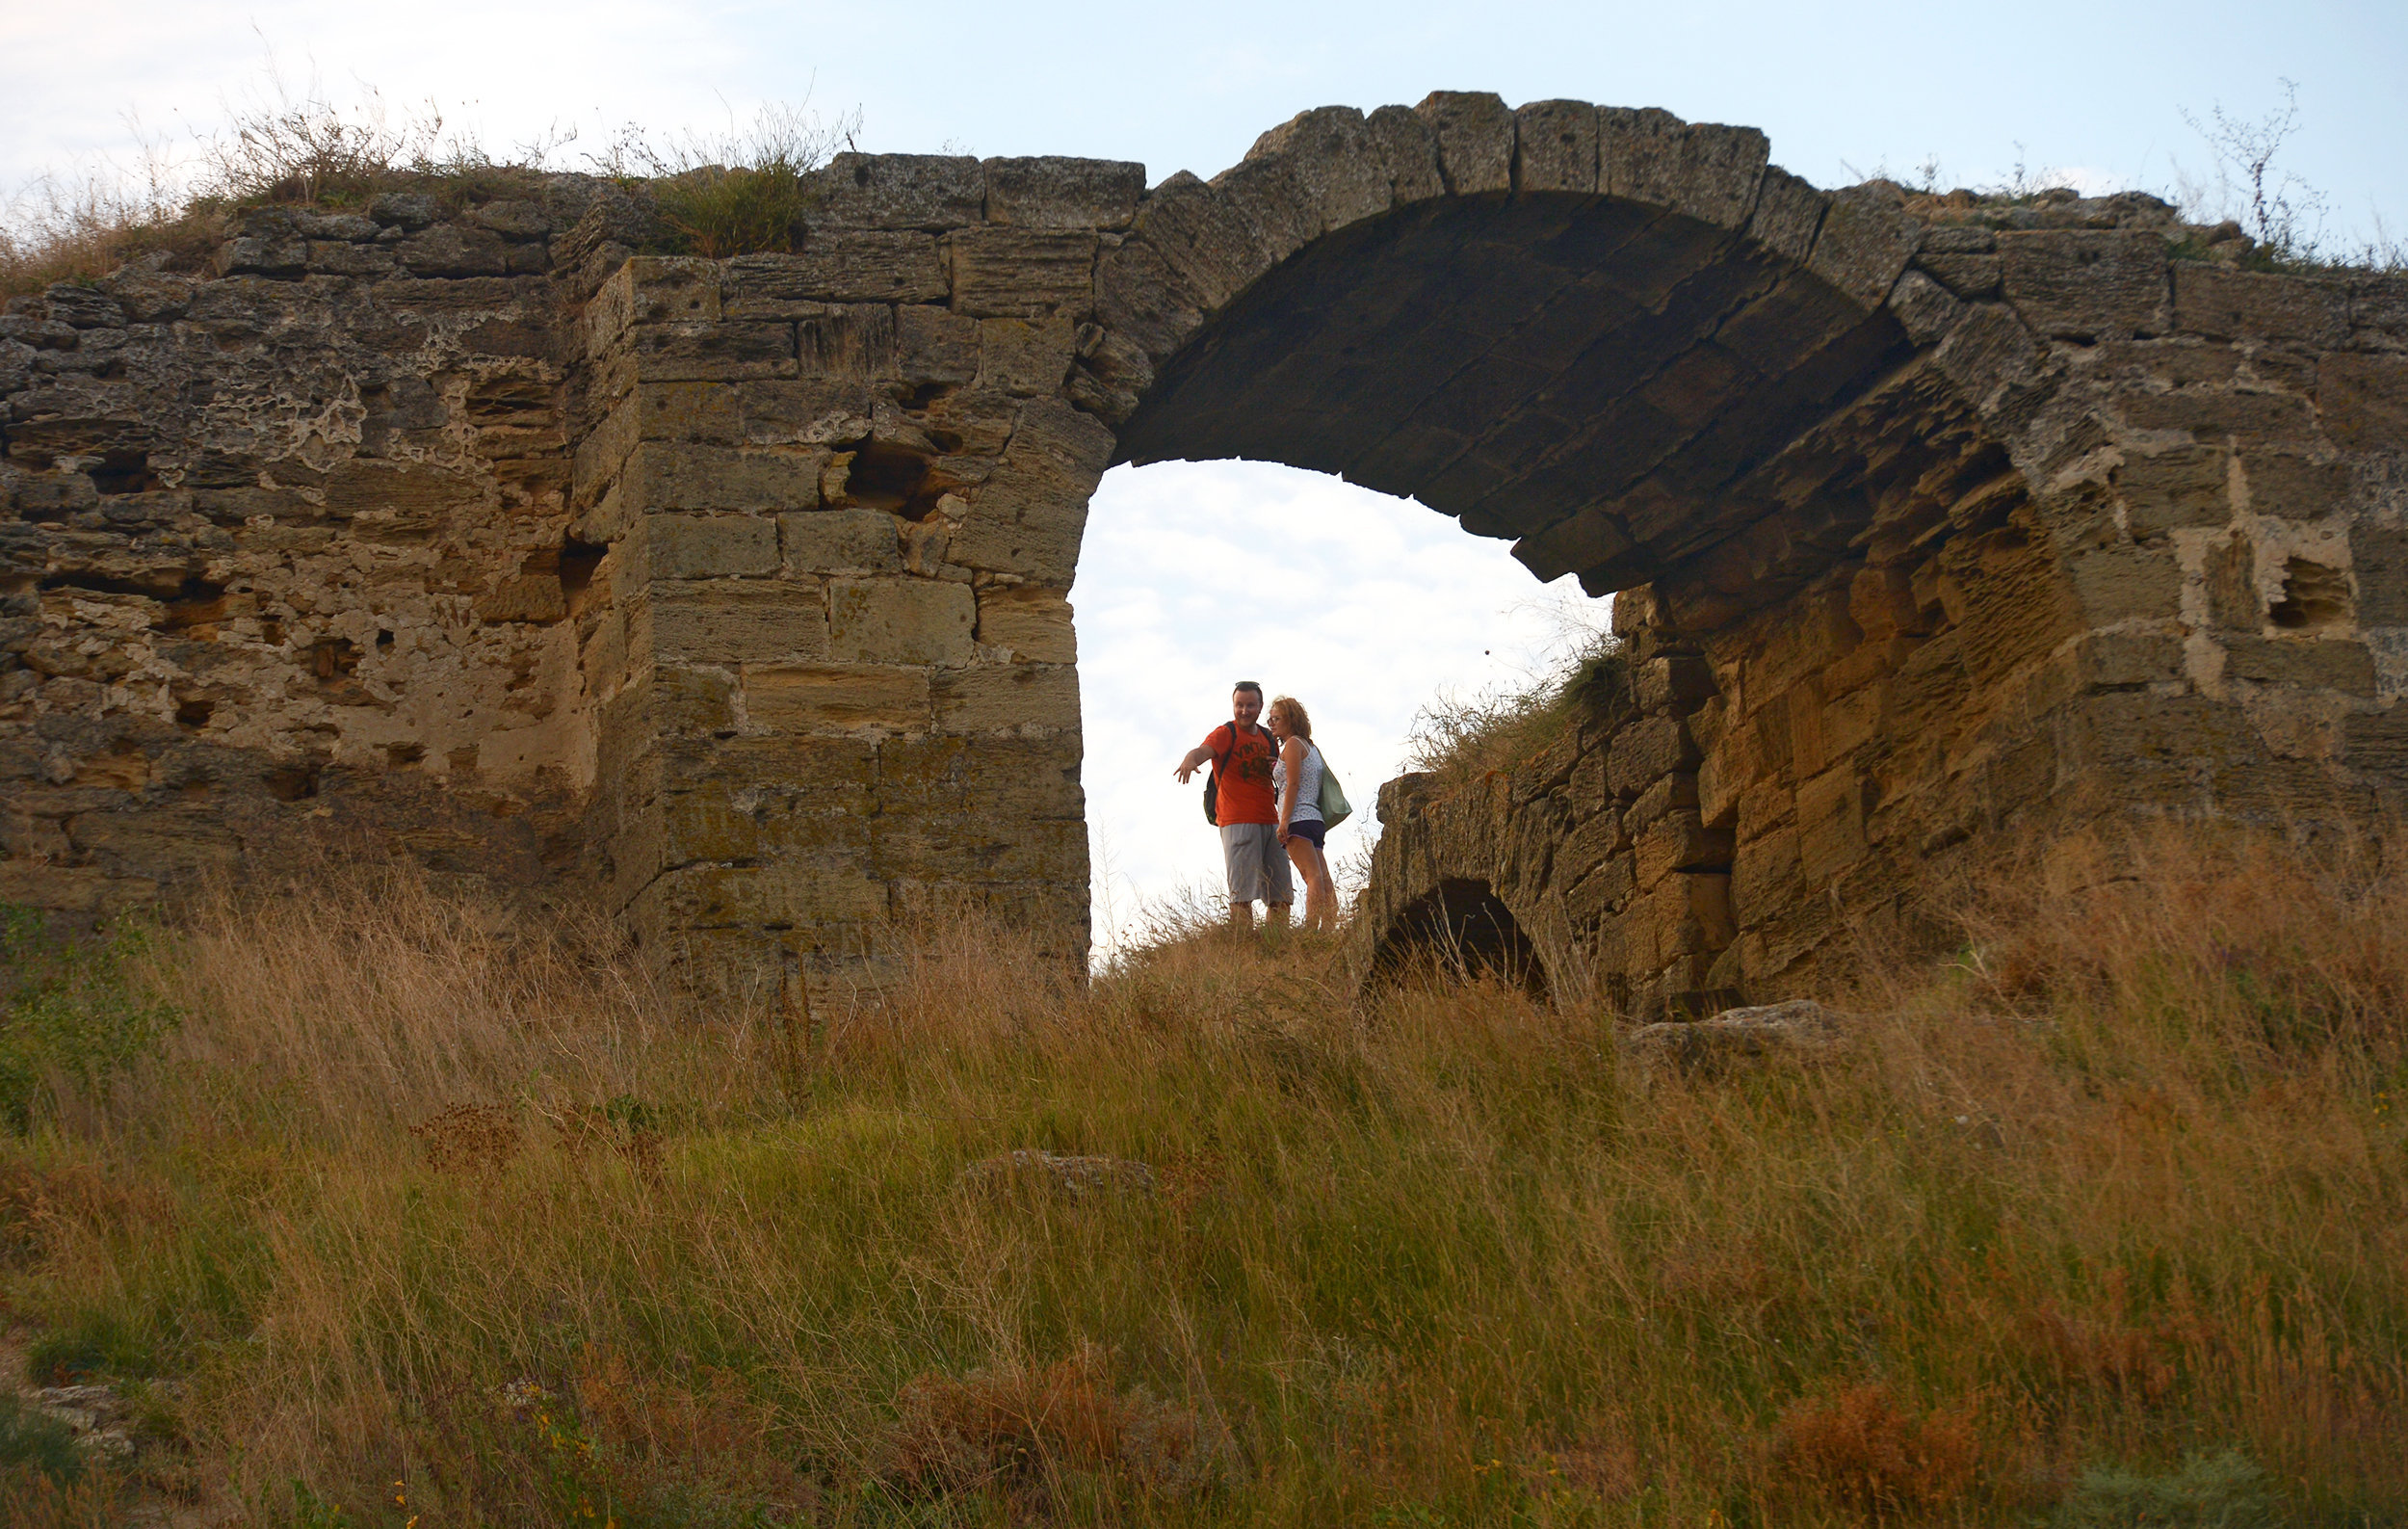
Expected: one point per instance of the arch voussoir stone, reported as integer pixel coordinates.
(735, 591)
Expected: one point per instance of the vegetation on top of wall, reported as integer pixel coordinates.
(715, 195)
(1462, 738)
(418, 1216)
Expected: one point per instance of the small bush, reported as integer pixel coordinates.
(2225, 1491)
(1019, 1427)
(70, 1013)
(1859, 1447)
(94, 1345)
(738, 193)
(35, 1443)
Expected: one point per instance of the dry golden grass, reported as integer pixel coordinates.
(2118, 1188)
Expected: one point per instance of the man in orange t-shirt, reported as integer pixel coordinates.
(1241, 755)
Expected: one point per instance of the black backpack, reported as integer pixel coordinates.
(1212, 780)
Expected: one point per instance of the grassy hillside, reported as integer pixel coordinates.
(379, 1215)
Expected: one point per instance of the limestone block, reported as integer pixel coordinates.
(1988, 351)
(2378, 311)
(524, 597)
(397, 496)
(697, 897)
(1925, 308)
(974, 845)
(840, 265)
(449, 250)
(936, 346)
(1766, 875)
(1030, 619)
(1969, 276)
(1830, 823)
(2378, 562)
(1556, 146)
(1025, 358)
(1475, 136)
(1028, 516)
(672, 701)
(2319, 662)
(656, 411)
(2087, 284)
(1788, 215)
(2254, 304)
(1047, 192)
(2123, 583)
(2294, 486)
(2186, 486)
(1408, 150)
(1681, 916)
(2234, 601)
(72, 888)
(1190, 244)
(902, 191)
(1707, 172)
(836, 697)
(845, 339)
(2120, 726)
(808, 411)
(840, 542)
(1032, 778)
(1607, 887)
(148, 842)
(2375, 742)
(1865, 242)
(1673, 793)
(1673, 683)
(676, 475)
(2122, 660)
(2363, 400)
(2214, 413)
(1021, 273)
(707, 546)
(649, 289)
(734, 622)
(698, 352)
(1007, 698)
(1646, 751)
(1679, 841)
(1316, 171)
(901, 621)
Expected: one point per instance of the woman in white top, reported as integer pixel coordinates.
(1295, 780)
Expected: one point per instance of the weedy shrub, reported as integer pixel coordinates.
(1858, 1446)
(34, 1443)
(69, 1012)
(2218, 1492)
(1021, 1429)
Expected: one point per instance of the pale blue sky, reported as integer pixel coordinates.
(1365, 607)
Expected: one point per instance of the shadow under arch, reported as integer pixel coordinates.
(1458, 929)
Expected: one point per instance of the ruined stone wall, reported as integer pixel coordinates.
(2180, 597)
(733, 593)
(282, 557)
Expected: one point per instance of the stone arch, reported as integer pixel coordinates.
(735, 591)
(1460, 927)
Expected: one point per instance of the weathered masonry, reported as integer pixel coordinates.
(735, 591)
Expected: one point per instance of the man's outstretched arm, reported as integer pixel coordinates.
(1192, 762)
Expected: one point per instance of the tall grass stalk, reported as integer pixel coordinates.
(2117, 1190)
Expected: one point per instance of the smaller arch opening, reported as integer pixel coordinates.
(1460, 930)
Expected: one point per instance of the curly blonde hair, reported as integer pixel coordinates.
(1291, 711)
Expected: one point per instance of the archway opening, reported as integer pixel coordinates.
(1367, 608)
(1459, 930)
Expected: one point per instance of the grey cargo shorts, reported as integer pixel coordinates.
(1257, 865)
